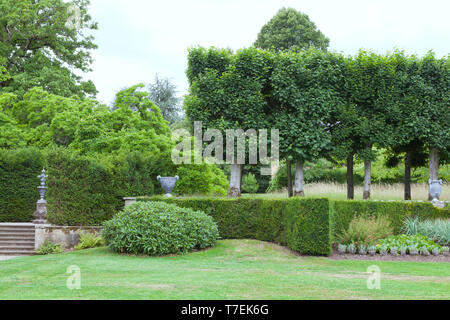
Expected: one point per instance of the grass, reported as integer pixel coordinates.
(338, 191)
(234, 269)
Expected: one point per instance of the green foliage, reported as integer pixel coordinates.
(42, 53)
(438, 230)
(250, 184)
(395, 211)
(290, 29)
(200, 179)
(18, 194)
(157, 228)
(409, 241)
(163, 94)
(301, 224)
(50, 248)
(89, 240)
(366, 230)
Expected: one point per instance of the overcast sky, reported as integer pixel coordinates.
(141, 38)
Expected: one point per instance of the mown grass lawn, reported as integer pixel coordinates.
(234, 269)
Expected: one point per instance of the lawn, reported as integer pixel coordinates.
(336, 191)
(234, 269)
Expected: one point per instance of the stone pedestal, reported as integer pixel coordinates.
(438, 204)
(41, 212)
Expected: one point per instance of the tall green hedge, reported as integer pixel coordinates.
(301, 224)
(82, 190)
(396, 211)
(18, 184)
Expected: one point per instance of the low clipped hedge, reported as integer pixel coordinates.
(304, 225)
(396, 211)
(158, 228)
(301, 224)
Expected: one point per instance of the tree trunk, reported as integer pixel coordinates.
(367, 179)
(408, 175)
(299, 190)
(235, 181)
(289, 178)
(350, 183)
(434, 167)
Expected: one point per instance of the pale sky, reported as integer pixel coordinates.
(141, 38)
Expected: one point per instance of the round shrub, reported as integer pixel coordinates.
(158, 228)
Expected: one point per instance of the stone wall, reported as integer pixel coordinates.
(69, 236)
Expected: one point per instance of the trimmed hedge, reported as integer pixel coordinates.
(83, 190)
(301, 224)
(18, 184)
(396, 211)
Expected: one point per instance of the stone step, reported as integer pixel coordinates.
(24, 232)
(16, 247)
(13, 248)
(17, 243)
(17, 237)
(9, 232)
(29, 240)
(17, 253)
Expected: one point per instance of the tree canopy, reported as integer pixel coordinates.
(291, 29)
(43, 43)
(163, 93)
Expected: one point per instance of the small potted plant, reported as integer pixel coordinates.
(351, 248)
(403, 250)
(424, 251)
(372, 250)
(383, 250)
(436, 251)
(342, 248)
(445, 251)
(362, 249)
(394, 251)
(413, 250)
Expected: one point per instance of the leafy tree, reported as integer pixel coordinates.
(43, 48)
(163, 93)
(304, 92)
(228, 92)
(290, 29)
(435, 115)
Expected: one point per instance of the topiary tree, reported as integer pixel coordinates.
(304, 92)
(291, 29)
(230, 92)
(435, 116)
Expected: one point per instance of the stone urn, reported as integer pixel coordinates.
(435, 189)
(168, 183)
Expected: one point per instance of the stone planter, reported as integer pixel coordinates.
(435, 189)
(168, 183)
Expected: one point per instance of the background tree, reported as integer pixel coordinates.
(43, 44)
(304, 93)
(163, 93)
(290, 29)
(228, 92)
(435, 115)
